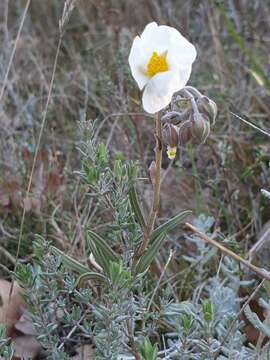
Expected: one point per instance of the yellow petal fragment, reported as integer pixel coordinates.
(171, 152)
(157, 63)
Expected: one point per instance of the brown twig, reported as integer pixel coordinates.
(155, 202)
(133, 347)
(259, 271)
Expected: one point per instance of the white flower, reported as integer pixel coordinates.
(160, 61)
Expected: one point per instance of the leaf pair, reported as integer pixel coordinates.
(72, 264)
(101, 251)
(156, 240)
(158, 235)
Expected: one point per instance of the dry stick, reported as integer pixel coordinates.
(133, 347)
(155, 202)
(35, 157)
(259, 271)
(250, 124)
(14, 50)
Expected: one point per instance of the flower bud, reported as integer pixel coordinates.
(208, 108)
(170, 135)
(200, 129)
(185, 132)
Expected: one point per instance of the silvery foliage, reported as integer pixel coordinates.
(66, 315)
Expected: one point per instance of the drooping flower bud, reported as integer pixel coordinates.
(185, 133)
(208, 108)
(200, 129)
(170, 135)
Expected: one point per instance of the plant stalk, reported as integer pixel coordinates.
(156, 196)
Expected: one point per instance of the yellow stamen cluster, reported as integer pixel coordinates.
(157, 63)
(171, 152)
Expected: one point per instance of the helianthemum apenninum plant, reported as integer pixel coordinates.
(105, 302)
(161, 62)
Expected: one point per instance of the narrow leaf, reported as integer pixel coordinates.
(149, 255)
(99, 257)
(133, 198)
(69, 261)
(169, 225)
(103, 247)
(256, 322)
(90, 275)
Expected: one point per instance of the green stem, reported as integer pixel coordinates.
(156, 196)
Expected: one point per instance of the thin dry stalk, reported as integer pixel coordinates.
(43, 122)
(14, 50)
(37, 148)
(259, 271)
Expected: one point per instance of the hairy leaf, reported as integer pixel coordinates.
(91, 275)
(169, 225)
(256, 322)
(102, 252)
(149, 255)
(69, 261)
(133, 198)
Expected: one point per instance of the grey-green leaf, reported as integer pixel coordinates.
(149, 255)
(103, 246)
(169, 225)
(102, 252)
(256, 322)
(133, 198)
(99, 257)
(69, 261)
(91, 275)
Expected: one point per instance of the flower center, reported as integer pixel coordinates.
(157, 63)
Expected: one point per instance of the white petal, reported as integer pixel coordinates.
(159, 91)
(161, 38)
(136, 63)
(149, 31)
(181, 77)
(180, 56)
(179, 46)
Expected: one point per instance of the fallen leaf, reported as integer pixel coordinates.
(25, 324)
(26, 346)
(18, 322)
(10, 309)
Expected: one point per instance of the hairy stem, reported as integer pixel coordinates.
(156, 196)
